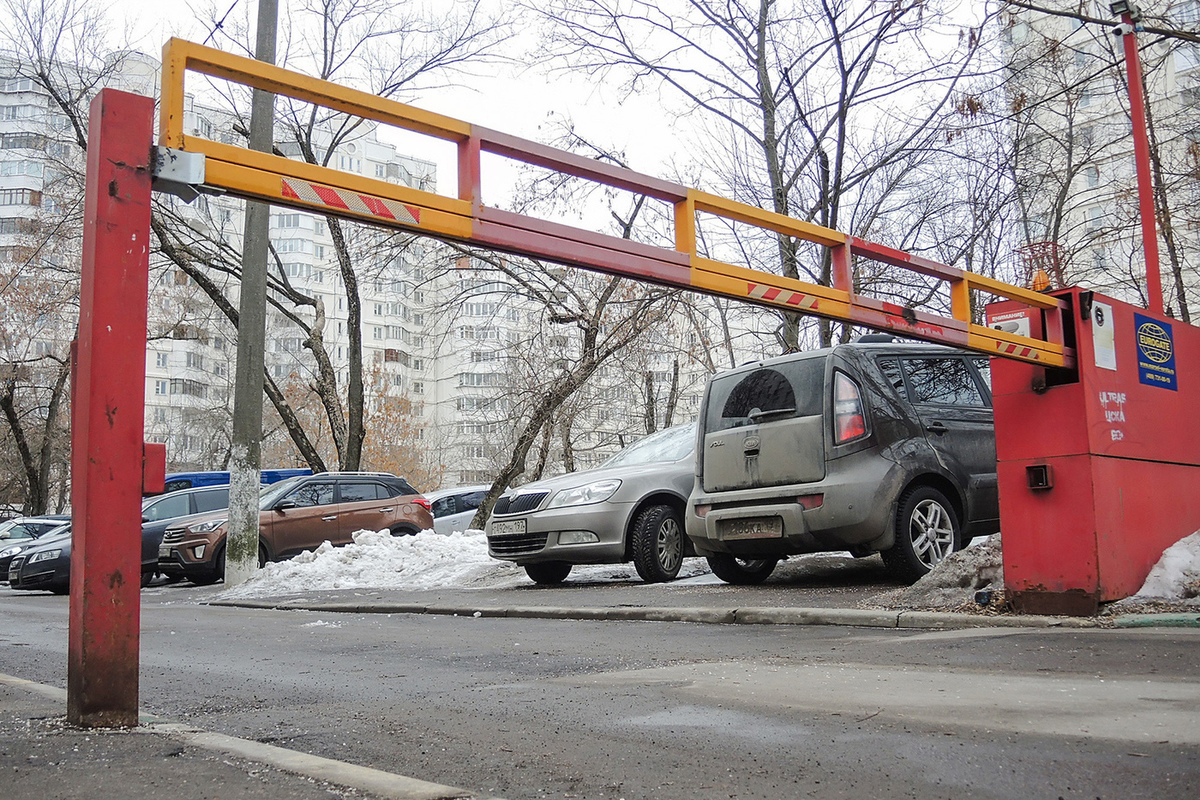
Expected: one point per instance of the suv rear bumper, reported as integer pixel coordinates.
(855, 513)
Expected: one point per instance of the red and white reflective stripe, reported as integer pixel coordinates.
(1010, 349)
(354, 202)
(759, 291)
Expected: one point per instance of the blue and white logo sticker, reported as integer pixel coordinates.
(1155, 352)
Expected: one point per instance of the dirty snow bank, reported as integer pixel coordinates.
(378, 560)
(1176, 576)
(1173, 583)
(425, 561)
(951, 585)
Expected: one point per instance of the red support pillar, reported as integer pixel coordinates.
(107, 410)
(1141, 156)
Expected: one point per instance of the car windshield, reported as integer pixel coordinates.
(671, 444)
(14, 530)
(273, 493)
(61, 532)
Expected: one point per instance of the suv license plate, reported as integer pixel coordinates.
(752, 528)
(508, 528)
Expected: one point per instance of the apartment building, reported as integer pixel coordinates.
(453, 353)
(1073, 160)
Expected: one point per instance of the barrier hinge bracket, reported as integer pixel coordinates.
(179, 173)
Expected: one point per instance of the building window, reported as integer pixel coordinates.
(479, 379)
(418, 387)
(293, 246)
(162, 387)
(21, 168)
(22, 141)
(195, 360)
(160, 360)
(189, 387)
(20, 197)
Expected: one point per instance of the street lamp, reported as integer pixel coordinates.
(1130, 15)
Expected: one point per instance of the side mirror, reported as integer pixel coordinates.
(145, 519)
(283, 505)
(5, 535)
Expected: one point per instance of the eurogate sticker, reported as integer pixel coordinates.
(1155, 352)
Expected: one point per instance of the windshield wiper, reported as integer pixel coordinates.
(758, 414)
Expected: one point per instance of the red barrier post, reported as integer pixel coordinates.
(107, 416)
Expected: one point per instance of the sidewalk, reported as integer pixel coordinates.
(43, 758)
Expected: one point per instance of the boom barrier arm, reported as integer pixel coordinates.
(296, 184)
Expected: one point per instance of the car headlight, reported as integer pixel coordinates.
(45, 555)
(10, 551)
(206, 527)
(596, 492)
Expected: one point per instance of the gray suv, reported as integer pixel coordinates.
(871, 446)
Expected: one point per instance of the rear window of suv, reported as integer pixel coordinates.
(779, 391)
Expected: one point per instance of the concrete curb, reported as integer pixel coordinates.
(865, 618)
(1166, 620)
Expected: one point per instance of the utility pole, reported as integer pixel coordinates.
(245, 463)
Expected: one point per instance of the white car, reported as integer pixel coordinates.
(453, 509)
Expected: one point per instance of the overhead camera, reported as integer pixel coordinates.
(1123, 29)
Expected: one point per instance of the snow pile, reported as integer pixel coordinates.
(1176, 576)
(427, 560)
(952, 584)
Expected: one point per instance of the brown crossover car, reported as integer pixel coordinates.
(297, 515)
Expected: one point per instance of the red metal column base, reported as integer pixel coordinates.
(107, 410)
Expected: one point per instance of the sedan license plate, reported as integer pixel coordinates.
(516, 527)
(164, 552)
(752, 528)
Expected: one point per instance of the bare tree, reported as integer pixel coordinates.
(805, 106)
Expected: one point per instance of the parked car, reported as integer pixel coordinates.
(871, 446)
(44, 565)
(628, 509)
(47, 563)
(295, 515)
(453, 509)
(189, 480)
(20, 533)
(159, 513)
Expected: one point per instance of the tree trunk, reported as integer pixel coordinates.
(35, 500)
(351, 456)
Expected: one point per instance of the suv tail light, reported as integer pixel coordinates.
(423, 503)
(849, 420)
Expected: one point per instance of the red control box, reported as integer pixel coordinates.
(1099, 467)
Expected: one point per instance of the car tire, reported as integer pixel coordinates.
(262, 556)
(146, 578)
(657, 544)
(741, 571)
(548, 573)
(927, 530)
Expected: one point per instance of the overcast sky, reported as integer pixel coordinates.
(523, 103)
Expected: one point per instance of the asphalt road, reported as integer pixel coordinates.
(534, 708)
